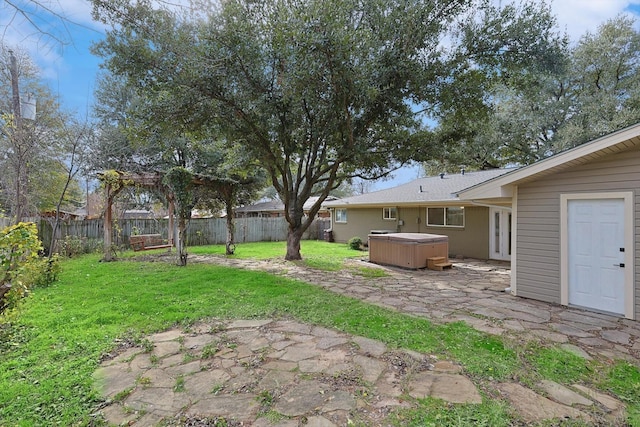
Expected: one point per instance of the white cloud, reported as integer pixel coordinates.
(579, 16)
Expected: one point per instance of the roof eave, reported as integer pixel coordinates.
(503, 185)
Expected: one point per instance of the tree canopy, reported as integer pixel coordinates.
(317, 91)
(553, 101)
(323, 92)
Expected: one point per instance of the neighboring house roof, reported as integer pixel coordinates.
(421, 191)
(277, 205)
(502, 186)
(268, 206)
(138, 214)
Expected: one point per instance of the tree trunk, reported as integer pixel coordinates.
(108, 226)
(231, 230)
(293, 243)
(182, 234)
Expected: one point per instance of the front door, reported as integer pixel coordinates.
(500, 238)
(596, 254)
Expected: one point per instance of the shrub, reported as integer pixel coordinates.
(355, 243)
(45, 271)
(19, 247)
(72, 246)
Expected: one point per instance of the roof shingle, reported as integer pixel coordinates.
(422, 190)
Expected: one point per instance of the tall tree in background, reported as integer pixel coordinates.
(28, 146)
(565, 97)
(317, 91)
(505, 58)
(604, 77)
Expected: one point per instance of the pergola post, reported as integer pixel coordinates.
(108, 226)
(172, 231)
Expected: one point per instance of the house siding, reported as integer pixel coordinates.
(360, 222)
(538, 228)
(471, 241)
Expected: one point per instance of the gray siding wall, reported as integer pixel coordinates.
(471, 241)
(538, 228)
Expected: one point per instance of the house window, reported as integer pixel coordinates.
(341, 215)
(446, 217)
(389, 213)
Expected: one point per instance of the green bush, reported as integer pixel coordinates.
(45, 271)
(355, 243)
(19, 264)
(72, 246)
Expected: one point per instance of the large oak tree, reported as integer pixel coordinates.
(318, 91)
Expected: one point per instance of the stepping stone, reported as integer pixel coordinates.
(307, 397)
(371, 368)
(574, 349)
(170, 335)
(276, 379)
(318, 422)
(339, 401)
(328, 342)
(264, 422)
(128, 354)
(288, 326)
(607, 401)
(203, 383)
(616, 336)
(534, 408)
(551, 336)
(166, 348)
(242, 324)
(570, 330)
(117, 415)
(562, 394)
(277, 365)
(241, 407)
(159, 401)
(296, 353)
(446, 366)
(113, 379)
(369, 346)
(448, 387)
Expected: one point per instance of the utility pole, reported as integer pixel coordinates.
(13, 70)
(20, 202)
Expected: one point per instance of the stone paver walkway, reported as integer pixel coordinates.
(474, 292)
(284, 373)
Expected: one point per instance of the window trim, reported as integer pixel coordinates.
(445, 217)
(335, 216)
(389, 209)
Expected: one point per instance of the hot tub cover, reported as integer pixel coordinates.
(411, 237)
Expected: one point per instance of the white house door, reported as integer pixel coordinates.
(500, 238)
(596, 254)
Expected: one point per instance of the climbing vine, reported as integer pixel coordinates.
(112, 178)
(180, 182)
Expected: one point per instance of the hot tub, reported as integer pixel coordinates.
(407, 250)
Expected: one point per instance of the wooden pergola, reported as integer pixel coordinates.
(149, 180)
(115, 181)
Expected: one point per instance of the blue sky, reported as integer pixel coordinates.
(70, 70)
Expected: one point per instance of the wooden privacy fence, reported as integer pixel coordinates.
(201, 231)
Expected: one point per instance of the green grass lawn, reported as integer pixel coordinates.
(47, 361)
